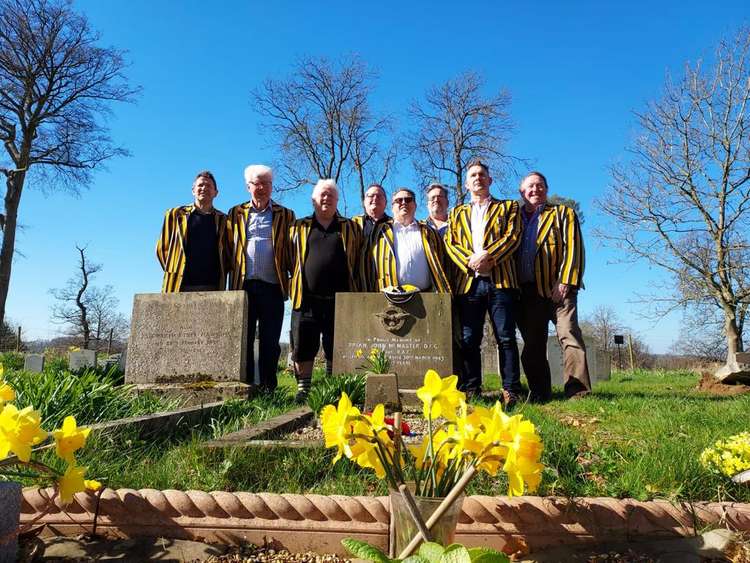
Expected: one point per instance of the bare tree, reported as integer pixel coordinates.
(601, 325)
(456, 123)
(681, 201)
(105, 319)
(56, 86)
(320, 119)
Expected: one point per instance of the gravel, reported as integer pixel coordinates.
(417, 426)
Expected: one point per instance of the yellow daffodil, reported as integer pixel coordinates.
(71, 482)
(6, 392)
(69, 439)
(358, 353)
(440, 396)
(19, 431)
(337, 425)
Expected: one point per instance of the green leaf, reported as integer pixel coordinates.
(487, 555)
(455, 553)
(364, 550)
(415, 559)
(431, 551)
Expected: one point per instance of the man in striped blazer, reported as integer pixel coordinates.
(481, 239)
(405, 251)
(374, 206)
(192, 248)
(550, 267)
(325, 258)
(259, 231)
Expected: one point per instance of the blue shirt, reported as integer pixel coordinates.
(259, 264)
(527, 250)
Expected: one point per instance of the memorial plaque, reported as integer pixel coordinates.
(416, 335)
(81, 359)
(182, 338)
(33, 362)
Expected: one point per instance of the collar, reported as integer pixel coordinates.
(410, 227)
(252, 207)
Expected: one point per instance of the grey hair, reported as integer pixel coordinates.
(325, 183)
(258, 171)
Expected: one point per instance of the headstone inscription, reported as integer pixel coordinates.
(179, 339)
(81, 359)
(415, 335)
(33, 362)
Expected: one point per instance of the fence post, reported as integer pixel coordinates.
(109, 342)
(18, 339)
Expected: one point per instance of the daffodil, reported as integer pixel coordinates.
(440, 396)
(337, 425)
(69, 439)
(19, 431)
(71, 482)
(358, 353)
(6, 392)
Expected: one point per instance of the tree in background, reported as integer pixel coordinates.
(56, 86)
(320, 119)
(600, 328)
(88, 313)
(456, 123)
(555, 199)
(681, 202)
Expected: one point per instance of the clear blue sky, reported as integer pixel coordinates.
(576, 71)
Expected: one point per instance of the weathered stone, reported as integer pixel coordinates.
(199, 393)
(416, 335)
(272, 427)
(33, 362)
(82, 359)
(10, 508)
(123, 360)
(382, 388)
(187, 338)
(736, 370)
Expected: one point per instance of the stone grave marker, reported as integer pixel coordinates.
(82, 359)
(736, 370)
(33, 362)
(415, 335)
(188, 342)
(382, 388)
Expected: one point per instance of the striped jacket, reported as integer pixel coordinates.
(351, 237)
(502, 235)
(366, 273)
(237, 221)
(382, 255)
(170, 248)
(560, 256)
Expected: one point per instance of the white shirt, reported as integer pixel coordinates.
(411, 261)
(478, 213)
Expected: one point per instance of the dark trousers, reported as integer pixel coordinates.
(315, 317)
(265, 306)
(483, 298)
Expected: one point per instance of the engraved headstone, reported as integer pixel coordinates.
(382, 389)
(416, 335)
(33, 362)
(736, 370)
(81, 359)
(187, 338)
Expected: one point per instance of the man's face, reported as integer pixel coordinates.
(437, 204)
(325, 201)
(478, 181)
(404, 207)
(534, 191)
(374, 202)
(260, 188)
(204, 191)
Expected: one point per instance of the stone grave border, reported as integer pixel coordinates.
(161, 421)
(257, 434)
(319, 523)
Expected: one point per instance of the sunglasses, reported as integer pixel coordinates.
(400, 200)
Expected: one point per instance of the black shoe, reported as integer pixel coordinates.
(509, 400)
(301, 397)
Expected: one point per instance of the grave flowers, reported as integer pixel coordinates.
(730, 457)
(460, 440)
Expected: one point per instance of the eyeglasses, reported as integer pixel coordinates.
(265, 183)
(400, 200)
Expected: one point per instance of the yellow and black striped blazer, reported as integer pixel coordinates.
(560, 256)
(351, 237)
(237, 220)
(170, 248)
(382, 255)
(502, 235)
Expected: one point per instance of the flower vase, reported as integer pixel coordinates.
(442, 532)
(10, 513)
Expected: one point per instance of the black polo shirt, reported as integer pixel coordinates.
(326, 271)
(201, 250)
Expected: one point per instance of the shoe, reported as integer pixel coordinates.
(579, 395)
(509, 400)
(301, 397)
(539, 399)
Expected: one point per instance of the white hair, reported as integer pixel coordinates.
(258, 171)
(323, 184)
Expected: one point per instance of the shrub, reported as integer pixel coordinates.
(11, 360)
(327, 390)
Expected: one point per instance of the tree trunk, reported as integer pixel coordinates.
(734, 339)
(14, 186)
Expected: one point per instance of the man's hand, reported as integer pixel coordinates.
(560, 292)
(482, 263)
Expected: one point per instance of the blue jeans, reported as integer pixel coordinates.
(483, 298)
(265, 305)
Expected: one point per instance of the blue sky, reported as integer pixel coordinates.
(576, 72)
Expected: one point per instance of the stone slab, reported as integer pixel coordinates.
(33, 362)
(187, 338)
(10, 506)
(736, 370)
(199, 393)
(382, 389)
(82, 359)
(276, 425)
(163, 422)
(415, 335)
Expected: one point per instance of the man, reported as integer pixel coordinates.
(259, 231)
(192, 248)
(374, 215)
(437, 207)
(325, 260)
(405, 251)
(550, 268)
(481, 239)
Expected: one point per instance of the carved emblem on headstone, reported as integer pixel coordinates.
(393, 318)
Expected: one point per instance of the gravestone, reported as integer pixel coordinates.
(81, 359)
(33, 362)
(416, 335)
(189, 344)
(382, 389)
(736, 370)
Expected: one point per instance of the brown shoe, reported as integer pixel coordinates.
(579, 395)
(509, 400)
